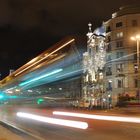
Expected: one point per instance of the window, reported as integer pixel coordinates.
(136, 83)
(109, 58)
(120, 54)
(108, 71)
(119, 44)
(119, 35)
(135, 56)
(109, 86)
(119, 24)
(108, 29)
(134, 23)
(120, 67)
(120, 83)
(108, 49)
(135, 68)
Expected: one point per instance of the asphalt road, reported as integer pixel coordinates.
(97, 130)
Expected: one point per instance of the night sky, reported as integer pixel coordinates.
(28, 27)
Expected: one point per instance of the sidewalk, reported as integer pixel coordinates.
(7, 133)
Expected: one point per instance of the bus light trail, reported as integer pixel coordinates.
(69, 123)
(41, 77)
(99, 117)
(67, 43)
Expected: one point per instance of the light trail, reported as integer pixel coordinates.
(67, 43)
(99, 117)
(40, 77)
(69, 123)
(67, 74)
(121, 57)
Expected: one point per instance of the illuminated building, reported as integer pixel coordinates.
(122, 74)
(93, 65)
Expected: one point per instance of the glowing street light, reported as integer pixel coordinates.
(137, 39)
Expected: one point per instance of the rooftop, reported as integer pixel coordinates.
(126, 10)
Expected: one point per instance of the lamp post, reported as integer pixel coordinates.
(137, 39)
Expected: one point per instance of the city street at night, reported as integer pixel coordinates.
(69, 70)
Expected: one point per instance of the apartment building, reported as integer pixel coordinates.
(122, 75)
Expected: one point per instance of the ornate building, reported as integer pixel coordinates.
(93, 65)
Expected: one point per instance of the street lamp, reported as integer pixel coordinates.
(137, 39)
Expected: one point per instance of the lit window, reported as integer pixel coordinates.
(119, 35)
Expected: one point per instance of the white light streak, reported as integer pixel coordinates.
(69, 123)
(99, 117)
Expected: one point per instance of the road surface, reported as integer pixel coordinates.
(97, 130)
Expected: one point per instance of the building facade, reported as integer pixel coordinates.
(93, 65)
(122, 75)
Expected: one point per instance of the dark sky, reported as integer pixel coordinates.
(28, 27)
